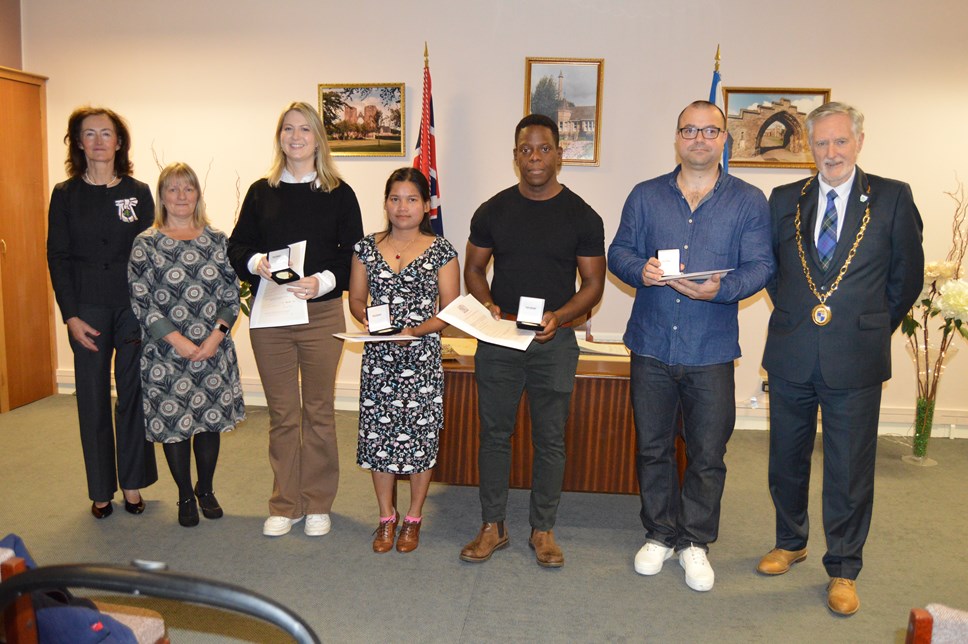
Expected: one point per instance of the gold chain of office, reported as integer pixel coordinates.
(821, 313)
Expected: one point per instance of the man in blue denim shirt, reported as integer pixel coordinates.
(684, 334)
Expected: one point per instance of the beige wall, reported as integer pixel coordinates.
(203, 83)
(10, 55)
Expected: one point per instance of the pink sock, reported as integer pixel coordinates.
(392, 517)
(411, 519)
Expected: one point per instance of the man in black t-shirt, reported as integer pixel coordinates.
(539, 233)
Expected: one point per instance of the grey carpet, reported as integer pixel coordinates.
(349, 594)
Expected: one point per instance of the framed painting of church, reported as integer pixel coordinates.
(364, 119)
(767, 126)
(568, 91)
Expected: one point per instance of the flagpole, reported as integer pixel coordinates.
(426, 159)
(424, 119)
(717, 92)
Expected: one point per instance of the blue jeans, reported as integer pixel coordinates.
(690, 516)
(547, 372)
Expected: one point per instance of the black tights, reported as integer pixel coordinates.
(179, 455)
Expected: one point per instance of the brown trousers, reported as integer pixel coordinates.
(302, 425)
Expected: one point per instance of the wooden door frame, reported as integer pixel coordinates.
(40, 82)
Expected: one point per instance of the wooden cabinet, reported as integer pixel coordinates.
(27, 347)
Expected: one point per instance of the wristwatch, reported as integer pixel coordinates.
(224, 329)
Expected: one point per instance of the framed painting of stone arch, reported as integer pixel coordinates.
(363, 119)
(569, 91)
(767, 126)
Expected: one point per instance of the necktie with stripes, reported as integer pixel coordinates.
(827, 241)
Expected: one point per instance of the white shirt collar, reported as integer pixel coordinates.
(843, 190)
(288, 177)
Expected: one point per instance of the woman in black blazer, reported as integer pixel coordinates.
(94, 217)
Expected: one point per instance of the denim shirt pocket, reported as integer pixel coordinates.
(714, 248)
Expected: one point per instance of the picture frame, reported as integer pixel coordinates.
(364, 119)
(569, 91)
(767, 125)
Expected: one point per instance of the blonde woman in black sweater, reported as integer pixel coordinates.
(302, 198)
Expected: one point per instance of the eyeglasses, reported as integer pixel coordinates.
(691, 132)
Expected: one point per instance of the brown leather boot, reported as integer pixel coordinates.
(409, 537)
(546, 551)
(384, 534)
(491, 537)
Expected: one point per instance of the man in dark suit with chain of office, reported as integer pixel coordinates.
(849, 267)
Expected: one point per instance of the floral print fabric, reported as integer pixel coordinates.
(401, 387)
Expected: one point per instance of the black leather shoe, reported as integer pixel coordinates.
(188, 512)
(209, 504)
(135, 508)
(102, 513)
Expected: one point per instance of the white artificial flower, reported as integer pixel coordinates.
(939, 270)
(954, 300)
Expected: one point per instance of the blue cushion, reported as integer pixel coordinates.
(78, 625)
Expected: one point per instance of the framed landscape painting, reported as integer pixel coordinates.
(767, 126)
(364, 119)
(569, 91)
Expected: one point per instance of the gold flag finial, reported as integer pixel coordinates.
(717, 56)
(426, 55)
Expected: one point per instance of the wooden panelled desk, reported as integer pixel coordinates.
(599, 435)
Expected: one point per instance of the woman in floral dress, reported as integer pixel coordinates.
(401, 385)
(186, 298)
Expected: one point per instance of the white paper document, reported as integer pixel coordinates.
(603, 348)
(274, 305)
(470, 316)
(364, 337)
(695, 277)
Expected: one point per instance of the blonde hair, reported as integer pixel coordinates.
(327, 177)
(172, 173)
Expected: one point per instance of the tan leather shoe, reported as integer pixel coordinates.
(384, 534)
(842, 596)
(546, 551)
(491, 537)
(409, 537)
(779, 561)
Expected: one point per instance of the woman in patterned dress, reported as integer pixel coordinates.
(401, 385)
(186, 297)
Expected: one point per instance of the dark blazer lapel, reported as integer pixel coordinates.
(857, 204)
(808, 221)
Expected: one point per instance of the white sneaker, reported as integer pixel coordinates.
(317, 525)
(277, 526)
(699, 574)
(650, 557)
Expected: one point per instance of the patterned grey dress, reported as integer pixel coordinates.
(185, 286)
(402, 387)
